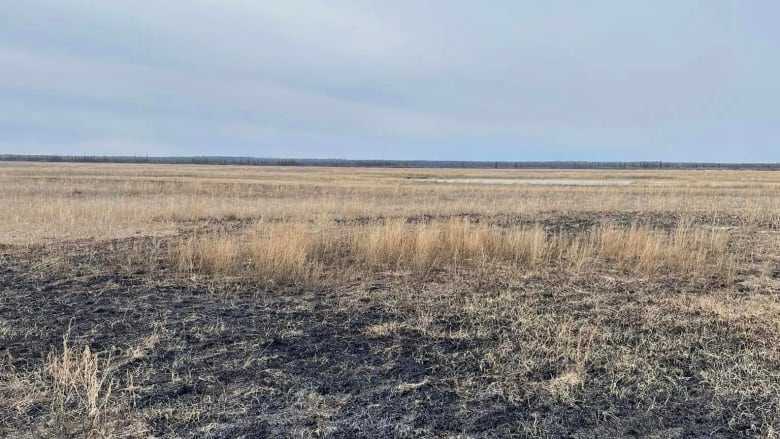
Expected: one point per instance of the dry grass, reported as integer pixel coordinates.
(286, 302)
(51, 201)
(80, 388)
(302, 253)
(74, 394)
(279, 252)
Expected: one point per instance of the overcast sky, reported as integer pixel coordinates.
(408, 79)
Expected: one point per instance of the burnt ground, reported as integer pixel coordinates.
(195, 358)
(556, 222)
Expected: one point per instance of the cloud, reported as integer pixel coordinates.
(443, 79)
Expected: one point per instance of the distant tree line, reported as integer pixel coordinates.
(255, 161)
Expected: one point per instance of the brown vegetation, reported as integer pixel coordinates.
(223, 301)
(299, 253)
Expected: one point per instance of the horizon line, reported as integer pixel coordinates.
(388, 163)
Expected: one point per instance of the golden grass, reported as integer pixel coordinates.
(301, 252)
(686, 249)
(45, 202)
(278, 252)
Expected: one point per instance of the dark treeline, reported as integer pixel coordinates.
(254, 161)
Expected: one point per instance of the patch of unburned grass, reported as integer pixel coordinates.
(300, 252)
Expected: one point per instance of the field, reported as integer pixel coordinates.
(228, 301)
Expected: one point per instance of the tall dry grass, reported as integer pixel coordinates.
(281, 252)
(687, 249)
(301, 252)
(81, 387)
(398, 245)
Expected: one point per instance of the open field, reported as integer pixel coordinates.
(227, 301)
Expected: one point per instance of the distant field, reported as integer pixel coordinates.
(145, 300)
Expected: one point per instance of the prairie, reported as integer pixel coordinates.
(229, 301)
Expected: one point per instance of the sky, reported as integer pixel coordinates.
(673, 80)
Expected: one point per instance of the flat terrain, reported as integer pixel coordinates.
(226, 301)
